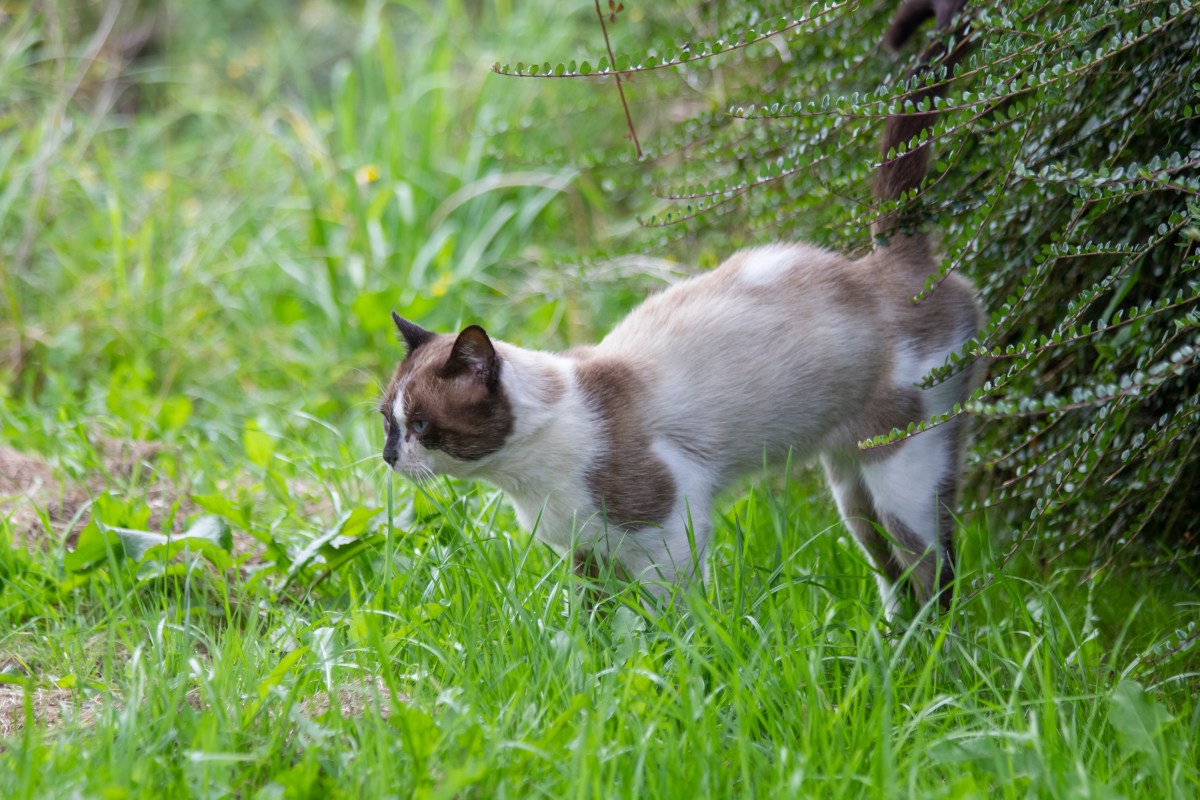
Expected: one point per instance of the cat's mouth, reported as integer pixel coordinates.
(417, 473)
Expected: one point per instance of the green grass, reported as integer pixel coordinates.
(213, 275)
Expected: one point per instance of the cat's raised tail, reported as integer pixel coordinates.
(905, 157)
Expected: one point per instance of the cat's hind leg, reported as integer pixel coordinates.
(858, 512)
(913, 487)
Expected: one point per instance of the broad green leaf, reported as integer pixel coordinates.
(1137, 717)
(222, 506)
(350, 525)
(92, 548)
(209, 536)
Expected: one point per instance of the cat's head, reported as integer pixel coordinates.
(445, 410)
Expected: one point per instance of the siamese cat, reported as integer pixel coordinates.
(614, 453)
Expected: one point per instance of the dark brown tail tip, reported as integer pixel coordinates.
(913, 14)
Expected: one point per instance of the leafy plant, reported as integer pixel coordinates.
(1065, 185)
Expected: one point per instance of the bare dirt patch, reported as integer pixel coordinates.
(353, 699)
(30, 488)
(52, 708)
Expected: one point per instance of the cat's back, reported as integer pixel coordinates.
(775, 295)
(771, 346)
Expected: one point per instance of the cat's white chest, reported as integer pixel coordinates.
(563, 518)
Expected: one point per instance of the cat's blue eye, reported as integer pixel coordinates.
(419, 426)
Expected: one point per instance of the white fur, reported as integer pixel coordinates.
(398, 409)
(738, 369)
(905, 484)
(543, 465)
(736, 373)
(766, 264)
(414, 461)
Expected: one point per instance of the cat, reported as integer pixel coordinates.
(614, 453)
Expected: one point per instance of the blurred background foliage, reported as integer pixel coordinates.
(208, 209)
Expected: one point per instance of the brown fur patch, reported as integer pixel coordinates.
(550, 386)
(851, 288)
(914, 13)
(930, 573)
(943, 319)
(629, 483)
(894, 409)
(898, 175)
(467, 419)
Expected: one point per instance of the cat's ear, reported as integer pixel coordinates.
(474, 355)
(414, 335)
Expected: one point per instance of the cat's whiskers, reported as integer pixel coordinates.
(423, 475)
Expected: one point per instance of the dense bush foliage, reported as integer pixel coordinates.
(1065, 185)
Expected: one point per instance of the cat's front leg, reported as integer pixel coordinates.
(663, 558)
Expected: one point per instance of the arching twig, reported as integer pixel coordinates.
(617, 76)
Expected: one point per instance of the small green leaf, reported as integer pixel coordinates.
(349, 526)
(275, 676)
